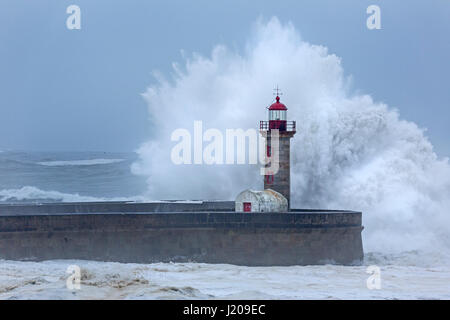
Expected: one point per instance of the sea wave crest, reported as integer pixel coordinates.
(87, 162)
(33, 194)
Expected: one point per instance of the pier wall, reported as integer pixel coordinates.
(133, 233)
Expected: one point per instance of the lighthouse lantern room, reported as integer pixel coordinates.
(277, 115)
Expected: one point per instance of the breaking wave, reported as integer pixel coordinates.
(349, 151)
(32, 194)
(89, 162)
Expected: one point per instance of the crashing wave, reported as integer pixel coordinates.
(349, 151)
(33, 194)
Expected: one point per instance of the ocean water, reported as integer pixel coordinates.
(67, 176)
(99, 280)
(87, 176)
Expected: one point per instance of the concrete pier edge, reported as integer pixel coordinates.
(174, 231)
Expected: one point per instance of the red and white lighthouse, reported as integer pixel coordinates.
(281, 180)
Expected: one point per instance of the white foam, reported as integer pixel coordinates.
(33, 193)
(107, 280)
(29, 193)
(88, 162)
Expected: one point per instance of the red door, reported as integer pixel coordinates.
(269, 178)
(247, 207)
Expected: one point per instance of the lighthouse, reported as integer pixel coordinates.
(277, 125)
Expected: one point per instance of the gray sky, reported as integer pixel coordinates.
(80, 90)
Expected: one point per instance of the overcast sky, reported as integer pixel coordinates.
(81, 90)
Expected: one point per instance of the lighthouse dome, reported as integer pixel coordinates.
(277, 105)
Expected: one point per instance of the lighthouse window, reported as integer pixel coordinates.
(277, 115)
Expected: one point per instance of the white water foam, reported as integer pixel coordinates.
(87, 162)
(29, 193)
(107, 280)
(349, 151)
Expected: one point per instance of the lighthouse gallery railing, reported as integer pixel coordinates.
(264, 125)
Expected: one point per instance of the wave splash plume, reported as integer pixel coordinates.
(349, 152)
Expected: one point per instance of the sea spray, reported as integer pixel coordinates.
(349, 153)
